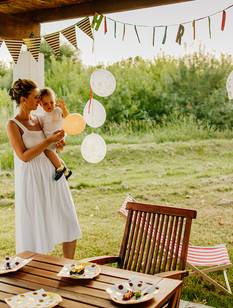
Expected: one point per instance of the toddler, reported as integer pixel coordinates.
(51, 121)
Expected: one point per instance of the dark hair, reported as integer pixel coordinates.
(47, 91)
(21, 87)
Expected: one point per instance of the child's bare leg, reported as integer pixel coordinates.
(53, 157)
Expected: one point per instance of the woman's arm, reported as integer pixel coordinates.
(24, 154)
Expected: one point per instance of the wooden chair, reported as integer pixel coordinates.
(155, 240)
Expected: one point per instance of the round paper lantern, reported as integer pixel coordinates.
(94, 113)
(93, 148)
(74, 124)
(229, 86)
(103, 83)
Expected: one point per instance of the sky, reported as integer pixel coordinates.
(108, 49)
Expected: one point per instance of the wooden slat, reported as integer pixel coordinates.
(148, 245)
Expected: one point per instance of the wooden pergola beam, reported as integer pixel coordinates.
(21, 25)
(89, 8)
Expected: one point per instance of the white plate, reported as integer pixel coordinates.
(15, 264)
(146, 290)
(39, 298)
(91, 270)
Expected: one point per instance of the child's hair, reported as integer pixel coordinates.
(21, 88)
(47, 91)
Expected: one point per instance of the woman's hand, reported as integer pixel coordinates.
(57, 136)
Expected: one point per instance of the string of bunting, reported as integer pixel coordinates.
(97, 19)
(53, 39)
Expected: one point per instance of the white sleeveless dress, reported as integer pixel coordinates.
(44, 209)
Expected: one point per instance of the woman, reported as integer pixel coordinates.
(45, 213)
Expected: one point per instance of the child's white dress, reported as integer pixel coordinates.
(45, 213)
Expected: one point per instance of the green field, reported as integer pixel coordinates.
(195, 174)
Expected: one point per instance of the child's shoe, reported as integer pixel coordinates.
(59, 172)
(67, 173)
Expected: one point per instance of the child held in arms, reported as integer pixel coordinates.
(51, 121)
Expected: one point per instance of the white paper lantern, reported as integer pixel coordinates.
(229, 85)
(94, 113)
(93, 148)
(103, 83)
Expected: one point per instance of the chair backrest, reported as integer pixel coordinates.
(156, 238)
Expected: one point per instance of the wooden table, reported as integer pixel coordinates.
(42, 271)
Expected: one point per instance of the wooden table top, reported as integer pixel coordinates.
(42, 271)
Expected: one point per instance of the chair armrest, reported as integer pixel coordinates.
(173, 274)
(102, 259)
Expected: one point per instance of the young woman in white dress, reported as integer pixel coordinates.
(44, 209)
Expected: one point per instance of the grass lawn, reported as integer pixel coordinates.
(192, 174)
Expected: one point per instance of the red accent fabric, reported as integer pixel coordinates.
(223, 20)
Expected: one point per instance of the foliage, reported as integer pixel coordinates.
(149, 90)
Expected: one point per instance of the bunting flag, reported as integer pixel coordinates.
(164, 36)
(105, 25)
(115, 29)
(153, 40)
(209, 24)
(123, 34)
(14, 47)
(96, 22)
(223, 20)
(85, 26)
(180, 33)
(70, 34)
(194, 29)
(33, 45)
(135, 28)
(53, 40)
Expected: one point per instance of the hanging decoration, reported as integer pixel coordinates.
(180, 33)
(223, 20)
(33, 45)
(209, 24)
(93, 148)
(70, 34)
(85, 26)
(105, 25)
(102, 82)
(74, 124)
(96, 21)
(94, 113)
(14, 48)
(54, 42)
(164, 36)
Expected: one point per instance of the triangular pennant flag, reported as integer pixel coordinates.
(70, 34)
(123, 34)
(165, 35)
(209, 24)
(194, 29)
(14, 48)
(136, 31)
(53, 40)
(96, 22)
(223, 20)
(33, 45)
(180, 33)
(85, 26)
(153, 40)
(105, 25)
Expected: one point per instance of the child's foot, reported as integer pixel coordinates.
(59, 172)
(67, 173)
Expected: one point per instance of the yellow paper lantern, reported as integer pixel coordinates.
(74, 124)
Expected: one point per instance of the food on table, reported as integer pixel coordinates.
(128, 295)
(77, 269)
